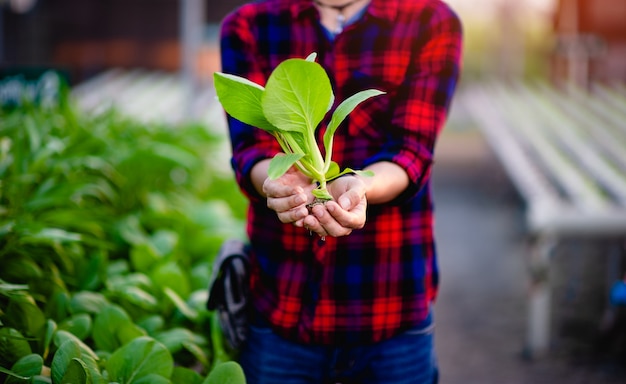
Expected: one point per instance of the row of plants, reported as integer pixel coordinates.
(108, 229)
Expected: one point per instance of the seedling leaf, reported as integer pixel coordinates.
(295, 100)
(322, 194)
(342, 111)
(333, 171)
(297, 95)
(281, 164)
(367, 173)
(241, 98)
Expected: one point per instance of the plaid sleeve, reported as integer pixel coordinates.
(423, 99)
(238, 55)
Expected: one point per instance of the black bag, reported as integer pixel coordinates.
(229, 291)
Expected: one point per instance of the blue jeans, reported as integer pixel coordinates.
(408, 358)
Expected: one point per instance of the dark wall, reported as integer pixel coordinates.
(84, 37)
(217, 9)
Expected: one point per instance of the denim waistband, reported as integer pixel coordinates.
(423, 327)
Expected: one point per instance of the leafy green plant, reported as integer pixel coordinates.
(108, 229)
(295, 100)
(227, 373)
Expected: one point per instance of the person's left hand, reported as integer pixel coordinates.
(339, 217)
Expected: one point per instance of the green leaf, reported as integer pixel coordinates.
(78, 325)
(281, 164)
(6, 227)
(241, 99)
(121, 282)
(229, 372)
(51, 328)
(175, 338)
(92, 366)
(76, 373)
(186, 375)
(165, 241)
(172, 275)
(342, 111)
(197, 352)
(367, 173)
(174, 154)
(140, 298)
(117, 268)
(26, 367)
(24, 314)
(140, 360)
(24, 269)
(333, 171)
(88, 302)
(61, 337)
(50, 236)
(69, 350)
(131, 289)
(201, 275)
(144, 256)
(180, 304)
(153, 379)
(297, 96)
(152, 324)
(15, 378)
(8, 288)
(41, 380)
(113, 328)
(58, 305)
(130, 229)
(13, 346)
(321, 194)
(92, 271)
(34, 134)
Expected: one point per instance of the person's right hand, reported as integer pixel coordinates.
(289, 195)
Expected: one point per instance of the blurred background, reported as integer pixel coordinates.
(153, 61)
(507, 38)
(560, 40)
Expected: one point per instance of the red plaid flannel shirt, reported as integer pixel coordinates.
(382, 279)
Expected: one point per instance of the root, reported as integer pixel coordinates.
(316, 201)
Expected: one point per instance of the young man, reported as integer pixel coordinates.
(344, 292)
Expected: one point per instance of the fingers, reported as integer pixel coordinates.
(349, 200)
(289, 209)
(331, 220)
(313, 225)
(288, 197)
(353, 218)
(287, 201)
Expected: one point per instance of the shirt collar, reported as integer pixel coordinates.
(382, 9)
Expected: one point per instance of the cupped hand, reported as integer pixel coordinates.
(289, 195)
(347, 212)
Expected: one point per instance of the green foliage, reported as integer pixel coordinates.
(143, 360)
(107, 232)
(226, 373)
(26, 367)
(297, 96)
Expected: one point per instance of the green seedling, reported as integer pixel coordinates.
(297, 96)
